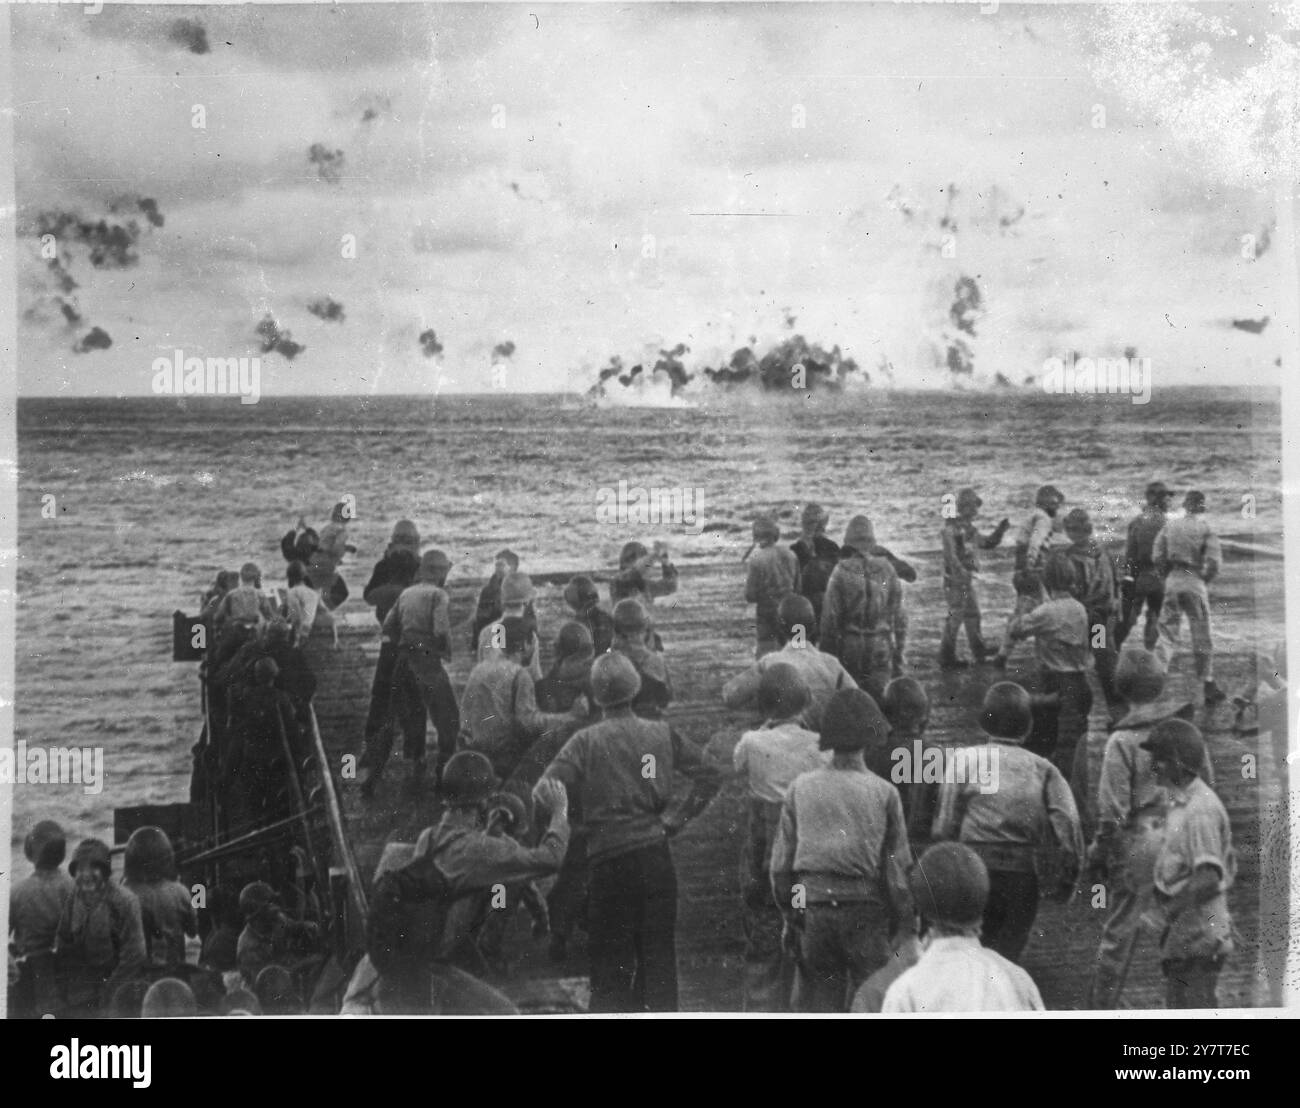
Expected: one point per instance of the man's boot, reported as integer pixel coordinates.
(948, 660)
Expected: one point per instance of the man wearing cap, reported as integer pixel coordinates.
(822, 673)
(632, 633)
(1037, 535)
(489, 598)
(1131, 809)
(581, 596)
(864, 623)
(1141, 583)
(1188, 554)
(1095, 587)
(632, 579)
(773, 575)
(498, 708)
(840, 861)
(768, 759)
(621, 772)
(817, 556)
(961, 542)
(955, 973)
(1194, 869)
(420, 625)
(1007, 805)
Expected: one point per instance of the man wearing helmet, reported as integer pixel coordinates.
(955, 972)
(1029, 807)
(1141, 583)
(473, 857)
(100, 941)
(1037, 535)
(768, 759)
(961, 541)
(1131, 812)
(1095, 587)
(772, 576)
(840, 860)
(35, 905)
(621, 770)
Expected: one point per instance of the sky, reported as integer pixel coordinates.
(592, 180)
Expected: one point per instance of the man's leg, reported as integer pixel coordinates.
(1155, 602)
(1025, 603)
(765, 961)
(954, 597)
(567, 899)
(1072, 734)
(613, 907)
(1191, 982)
(1010, 912)
(866, 941)
(1197, 605)
(820, 973)
(1106, 658)
(439, 701)
(657, 930)
(972, 618)
(457, 993)
(379, 719)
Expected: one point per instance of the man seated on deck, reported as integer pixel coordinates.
(272, 938)
(469, 860)
(822, 673)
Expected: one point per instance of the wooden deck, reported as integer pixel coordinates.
(708, 634)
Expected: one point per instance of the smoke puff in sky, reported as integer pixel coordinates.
(688, 202)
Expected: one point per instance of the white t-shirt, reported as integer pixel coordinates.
(303, 602)
(957, 974)
(772, 757)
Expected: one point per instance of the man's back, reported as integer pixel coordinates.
(957, 974)
(620, 771)
(487, 706)
(842, 819)
(772, 757)
(35, 905)
(773, 571)
(1188, 543)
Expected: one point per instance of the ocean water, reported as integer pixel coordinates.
(153, 496)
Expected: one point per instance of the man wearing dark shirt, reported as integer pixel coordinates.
(621, 772)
